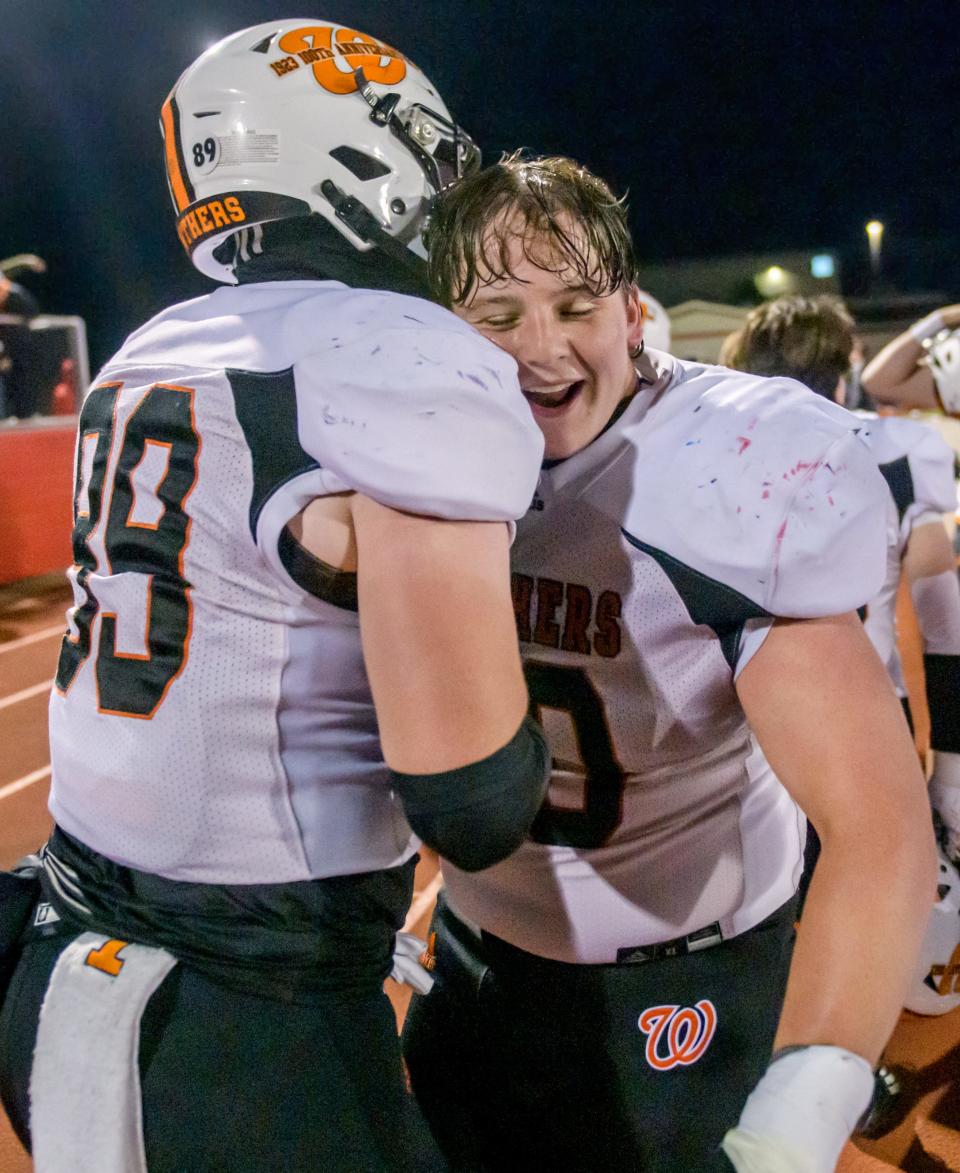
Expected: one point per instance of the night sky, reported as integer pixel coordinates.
(741, 126)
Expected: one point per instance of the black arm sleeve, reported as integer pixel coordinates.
(480, 813)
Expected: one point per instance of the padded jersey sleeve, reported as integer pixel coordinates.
(426, 417)
(932, 465)
(765, 488)
(828, 554)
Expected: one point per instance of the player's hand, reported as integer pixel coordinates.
(801, 1113)
(408, 968)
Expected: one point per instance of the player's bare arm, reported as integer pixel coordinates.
(898, 375)
(928, 553)
(437, 622)
(440, 650)
(438, 635)
(851, 766)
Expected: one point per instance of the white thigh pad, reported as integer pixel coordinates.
(85, 1110)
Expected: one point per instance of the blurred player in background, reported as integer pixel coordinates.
(812, 339)
(921, 367)
(292, 646)
(684, 585)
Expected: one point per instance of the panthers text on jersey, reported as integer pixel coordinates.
(648, 570)
(919, 468)
(211, 719)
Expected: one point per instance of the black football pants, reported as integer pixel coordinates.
(522, 1063)
(235, 1083)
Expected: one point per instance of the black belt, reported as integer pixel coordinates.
(704, 938)
(286, 941)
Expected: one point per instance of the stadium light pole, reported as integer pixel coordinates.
(874, 229)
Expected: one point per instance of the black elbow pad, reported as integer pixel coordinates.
(479, 814)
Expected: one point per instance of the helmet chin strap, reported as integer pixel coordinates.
(363, 223)
(313, 248)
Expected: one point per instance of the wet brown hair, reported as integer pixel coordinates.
(805, 338)
(539, 199)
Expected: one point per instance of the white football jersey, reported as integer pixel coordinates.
(919, 468)
(212, 720)
(648, 570)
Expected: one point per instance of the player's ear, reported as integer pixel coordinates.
(636, 315)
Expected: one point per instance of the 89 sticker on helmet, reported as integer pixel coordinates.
(297, 117)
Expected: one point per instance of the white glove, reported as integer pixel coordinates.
(408, 966)
(944, 791)
(801, 1113)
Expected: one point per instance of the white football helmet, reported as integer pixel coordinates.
(936, 982)
(300, 116)
(943, 355)
(656, 323)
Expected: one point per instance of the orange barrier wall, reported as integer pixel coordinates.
(36, 484)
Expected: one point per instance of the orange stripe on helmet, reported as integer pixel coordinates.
(178, 187)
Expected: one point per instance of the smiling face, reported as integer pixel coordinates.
(572, 346)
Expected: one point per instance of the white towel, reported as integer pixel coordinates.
(85, 1109)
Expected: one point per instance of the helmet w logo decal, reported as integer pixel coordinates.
(335, 53)
(678, 1036)
(296, 117)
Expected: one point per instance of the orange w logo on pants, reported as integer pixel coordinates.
(677, 1036)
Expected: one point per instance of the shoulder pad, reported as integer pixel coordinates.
(931, 460)
(763, 486)
(417, 410)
